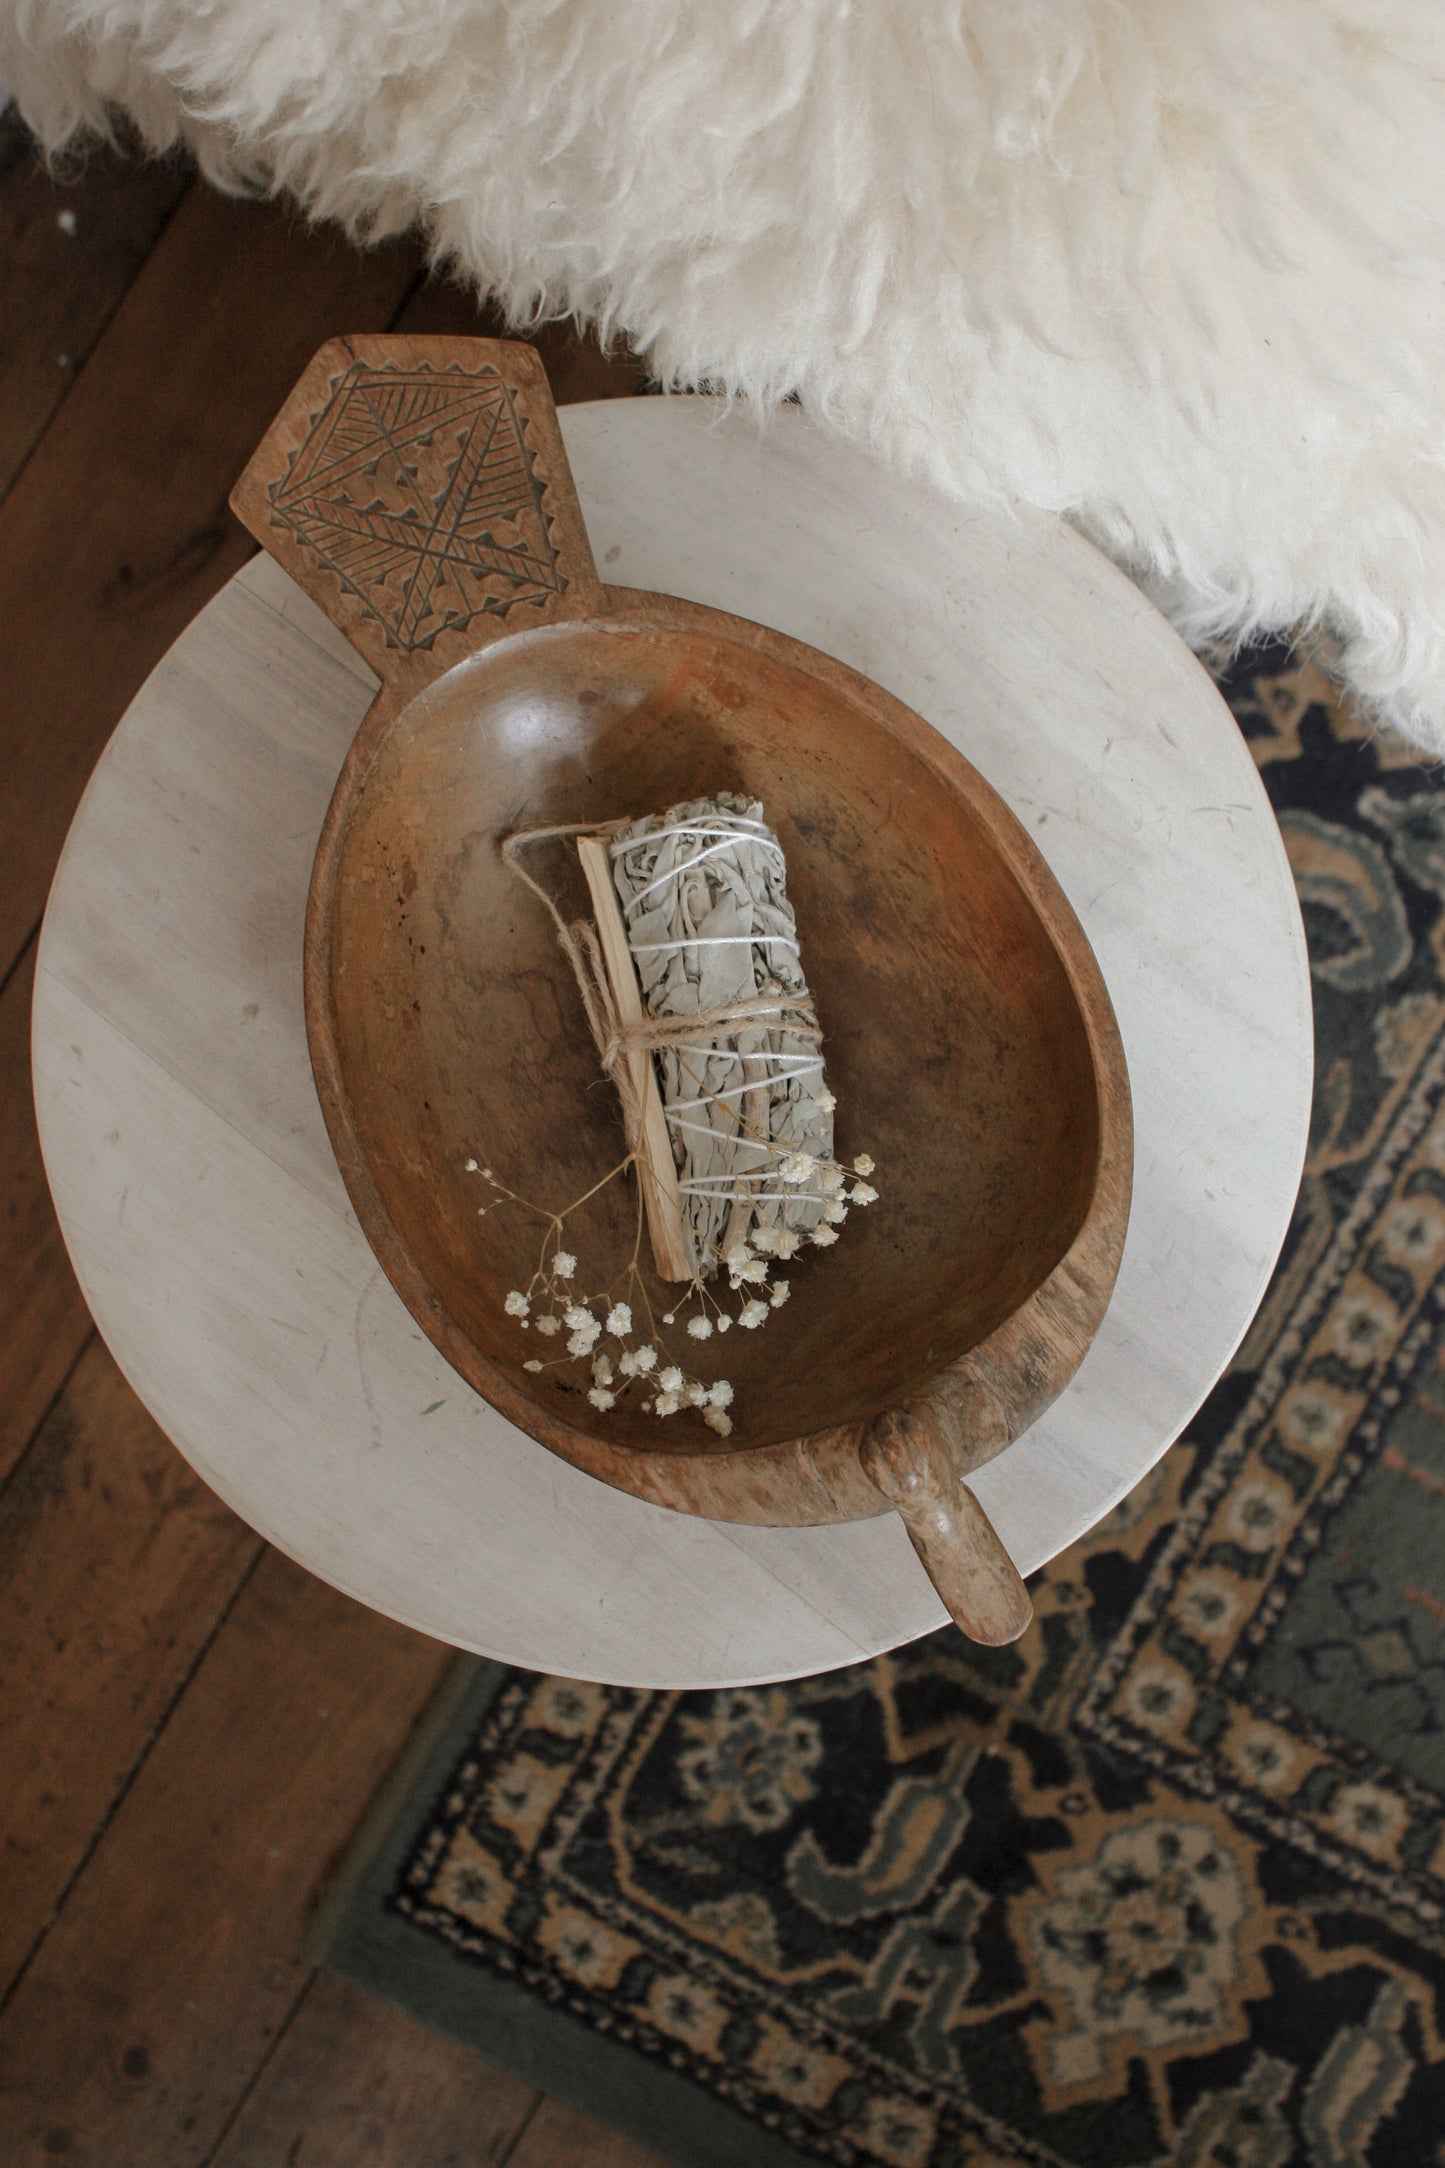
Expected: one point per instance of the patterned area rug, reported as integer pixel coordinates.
(1165, 1884)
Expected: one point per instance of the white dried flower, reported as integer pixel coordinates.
(786, 1245)
(670, 1379)
(564, 1264)
(752, 1274)
(548, 1326)
(752, 1314)
(471, 1166)
(797, 1167)
(861, 1193)
(602, 1370)
(765, 1241)
(532, 1365)
(724, 1324)
(824, 1237)
(578, 1318)
(517, 1305)
(780, 1294)
(716, 1420)
(862, 1164)
(666, 1404)
(696, 1394)
(601, 1398)
(700, 1328)
(825, 1102)
(646, 1359)
(721, 1394)
(737, 1253)
(671, 1318)
(627, 1363)
(487, 1175)
(836, 1213)
(619, 1320)
(831, 1180)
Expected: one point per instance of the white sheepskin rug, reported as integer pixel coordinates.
(1174, 268)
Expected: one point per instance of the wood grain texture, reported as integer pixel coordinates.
(917, 1459)
(117, 530)
(356, 2081)
(173, 1965)
(1006, 1157)
(116, 1562)
(215, 1240)
(563, 2137)
(417, 488)
(71, 242)
(43, 1319)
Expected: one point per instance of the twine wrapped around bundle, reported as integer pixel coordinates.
(727, 1017)
(703, 889)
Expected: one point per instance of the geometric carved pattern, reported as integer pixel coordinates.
(416, 489)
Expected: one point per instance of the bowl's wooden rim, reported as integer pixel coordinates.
(1023, 1364)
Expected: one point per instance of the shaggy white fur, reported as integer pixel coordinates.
(1175, 268)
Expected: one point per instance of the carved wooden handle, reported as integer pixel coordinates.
(916, 1456)
(419, 491)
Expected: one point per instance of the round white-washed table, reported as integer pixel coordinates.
(207, 1220)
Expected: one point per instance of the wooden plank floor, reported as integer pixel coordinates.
(190, 1726)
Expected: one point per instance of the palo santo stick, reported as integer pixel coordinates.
(656, 1171)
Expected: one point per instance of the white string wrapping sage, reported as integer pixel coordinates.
(703, 890)
(728, 1020)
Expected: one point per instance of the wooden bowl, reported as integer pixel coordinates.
(419, 490)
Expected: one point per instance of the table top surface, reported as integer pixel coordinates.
(204, 1211)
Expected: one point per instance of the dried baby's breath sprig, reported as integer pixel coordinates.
(614, 1332)
(602, 1328)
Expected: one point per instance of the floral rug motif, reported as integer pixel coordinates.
(1163, 1886)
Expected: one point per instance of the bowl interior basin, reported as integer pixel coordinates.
(954, 1039)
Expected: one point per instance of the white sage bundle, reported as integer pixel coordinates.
(703, 892)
